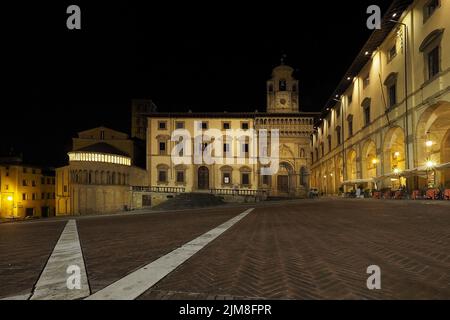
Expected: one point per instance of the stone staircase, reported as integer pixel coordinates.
(190, 201)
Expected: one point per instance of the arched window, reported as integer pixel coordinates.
(282, 85)
(303, 177)
(338, 135)
(391, 86)
(366, 111)
(431, 49)
(302, 153)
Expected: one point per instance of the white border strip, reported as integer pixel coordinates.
(135, 284)
(52, 284)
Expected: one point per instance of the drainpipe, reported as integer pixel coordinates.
(406, 91)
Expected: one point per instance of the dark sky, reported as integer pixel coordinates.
(211, 56)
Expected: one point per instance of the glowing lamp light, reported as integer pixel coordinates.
(367, 53)
(396, 170)
(430, 164)
(374, 161)
(394, 15)
(397, 154)
(9, 198)
(429, 143)
(349, 78)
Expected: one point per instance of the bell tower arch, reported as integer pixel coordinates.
(282, 91)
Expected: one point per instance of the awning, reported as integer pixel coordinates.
(357, 181)
(443, 166)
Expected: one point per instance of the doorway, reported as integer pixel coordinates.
(283, 184)
(203, 178)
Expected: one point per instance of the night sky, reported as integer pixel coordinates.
(212, 56)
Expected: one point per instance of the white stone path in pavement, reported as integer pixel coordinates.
(135, 284)
(52, 283)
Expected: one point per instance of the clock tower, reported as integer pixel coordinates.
(282, 91)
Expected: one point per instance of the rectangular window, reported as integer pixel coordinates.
(392, 95)
(433, 62)
(24, 183)
(24, 196)
(226, 148)
(392, 53)
(42, 180)
(49, 196)
(366, 116)
(7, 187)
(65, 188)
(245, 126)
(162, 125)
(48, 181)
(162, 176)
(162, 148)
(245, 148)
(227, 178)
(366, 81)
(33, 183)
(429, 9)
(265, 180)
(246, 179)
(179, 125)
(33, 196)
(350, 127)
(338, 135)
(180, 176)
(43, 196)
(226, 126)
(203, 125)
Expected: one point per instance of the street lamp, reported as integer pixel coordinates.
(430, 169)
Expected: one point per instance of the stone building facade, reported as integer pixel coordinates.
(243, 175)
(100, 175)
(388, 123)
(26, 191)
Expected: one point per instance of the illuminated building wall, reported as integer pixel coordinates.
(26, 192)
(370, 134)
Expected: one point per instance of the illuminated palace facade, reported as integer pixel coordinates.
(387, 125)
(243, 176)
